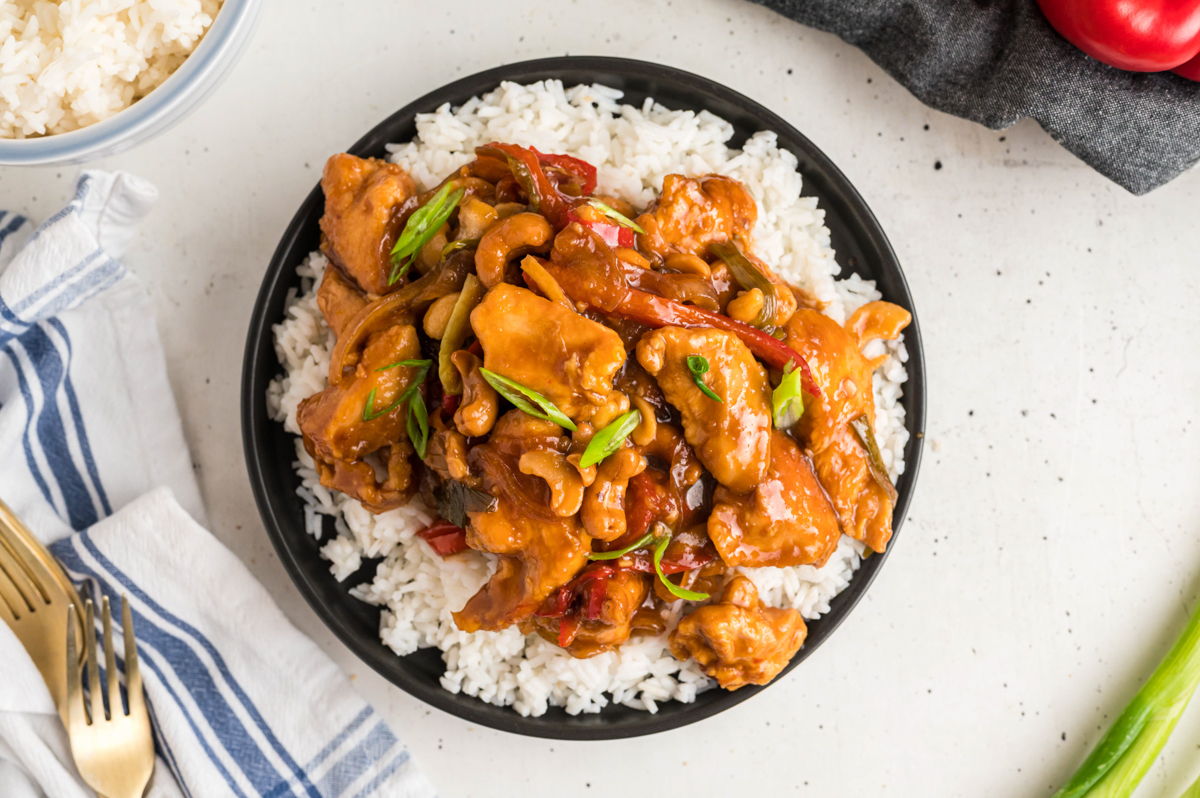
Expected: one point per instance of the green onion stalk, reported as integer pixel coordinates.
(1193, 791)
(1129, 748)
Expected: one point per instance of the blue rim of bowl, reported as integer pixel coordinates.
(199, 74)
(269, 449)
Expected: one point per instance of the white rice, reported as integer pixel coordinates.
(68, 64)
(634, 148)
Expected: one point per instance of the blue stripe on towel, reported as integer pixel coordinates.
(85, 446)
(384, 774)
(51, 433)
(342, 736)
(190, 657)
(12, 227)
(358, 761)
(62, 278)
(26, 440)
(79, 571)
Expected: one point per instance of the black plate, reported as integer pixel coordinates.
(861, 247)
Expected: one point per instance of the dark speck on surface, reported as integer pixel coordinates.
(789, 71)
(937, 164)
(927, 127)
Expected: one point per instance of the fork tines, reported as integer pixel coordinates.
(96, 712)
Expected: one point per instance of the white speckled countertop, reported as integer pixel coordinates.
(1052, 548)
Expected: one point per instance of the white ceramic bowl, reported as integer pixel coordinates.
(178, 96)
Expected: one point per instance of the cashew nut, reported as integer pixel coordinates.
(480, 404)
(506, 240)
(603, 512)
(566, 486)
(438, 315)
(647, 429)
(746, 306)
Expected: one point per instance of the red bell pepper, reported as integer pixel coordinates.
(544, 196)
(614, 235)
(1137, 35)
(444, 537)
(572, 166)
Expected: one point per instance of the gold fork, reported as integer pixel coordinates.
(114, 751)
(34, 598)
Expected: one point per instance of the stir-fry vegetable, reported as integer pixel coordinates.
(1129, 748)
(444, 538)
(787, 400)
(609, 439)
(660, 548)
(866, 436)
(699, 367)
(749, 277)
(522, 397)
(455, 500)
(1193, 791)
(570, 165)
(544, 196)
(594, 219)
(615, 215)
(422, 226)
(644, 540)
(458, 329)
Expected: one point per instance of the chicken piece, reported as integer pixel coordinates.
(625, 592)
(339, 299)
(692, 213)
(838, 367)
(364, 200)
(333, 420)
(862, 504)
(738, 640)
(731, 437)
(787, 520)
(536, 556)
(358, 479)
(845, 376)
(547, 348)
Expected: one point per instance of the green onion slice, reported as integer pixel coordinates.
(787, 400)
(416, 364)
(525, 400)
(678, 592)
(609, 439)
(748, 277)
(643, 541)
(615, 215)
(462, 243)
(422, 226)
(418, 424)
(699, 367)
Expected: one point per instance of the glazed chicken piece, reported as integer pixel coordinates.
(738, 640)
(337, 437)
(339, 299)
(624, 594)
(692, 213)
(834, 354)
(363, 213)
(732, 437)
(536, 557)
(569, 359)
(787, 520)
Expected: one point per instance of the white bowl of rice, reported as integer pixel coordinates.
(84, 79)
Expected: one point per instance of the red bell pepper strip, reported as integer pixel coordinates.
(568, 628)
(614, 235)
(1137, 35)
(657, 311)
(571, 165)
(544, 196)
(444, 538)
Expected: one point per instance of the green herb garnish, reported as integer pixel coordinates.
(787, 400)
(421, 227)
(660, 549)
(699, 367)
(418, 415)
(524, 399)
(615, 215)
(644, 540)
(1129, 748)
(609, 439)
(462, 243)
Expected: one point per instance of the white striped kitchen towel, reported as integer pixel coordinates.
(243, 704)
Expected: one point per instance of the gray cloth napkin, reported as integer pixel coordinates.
(995, 61)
